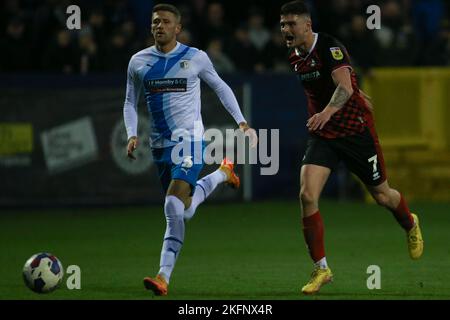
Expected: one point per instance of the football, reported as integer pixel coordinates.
(43, 272)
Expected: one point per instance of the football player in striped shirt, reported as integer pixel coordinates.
(169, 74)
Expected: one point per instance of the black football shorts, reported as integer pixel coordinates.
(361, 153)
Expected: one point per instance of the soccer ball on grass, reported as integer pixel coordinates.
(43, 272)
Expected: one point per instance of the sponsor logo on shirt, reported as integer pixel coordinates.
(310, 76)
(167, 85)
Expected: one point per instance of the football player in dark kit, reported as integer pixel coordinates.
(341, 128)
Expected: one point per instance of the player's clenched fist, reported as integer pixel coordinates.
(132, 145)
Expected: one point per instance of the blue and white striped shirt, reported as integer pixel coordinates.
(171, 84)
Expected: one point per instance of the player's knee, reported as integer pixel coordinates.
(181, 190)
(307, 197)
(382, 199)
(173, 208)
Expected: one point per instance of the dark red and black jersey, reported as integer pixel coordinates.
(314, 71)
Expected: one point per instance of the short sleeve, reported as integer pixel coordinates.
(335, 55)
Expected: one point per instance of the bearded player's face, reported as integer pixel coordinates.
(165, 27)
(294, 29)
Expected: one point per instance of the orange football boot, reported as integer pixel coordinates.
(228, 167)
(158, 285)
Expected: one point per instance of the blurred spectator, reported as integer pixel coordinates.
(14, 52)
(412, 33)
(243, 53)
(276, 53)
(96, 23)
(49, 18)
(215, 26)
(62, 56)
(195, 20)
(398, 46)
(118, 52)
(219, 59)
(128, 30)
(192, 29)
(116, 12)
(9, 9)
(258, 33)
(198, 9)
(437, 53)
(90, 60)
(334, 17)
(141, 12)
(361, 44)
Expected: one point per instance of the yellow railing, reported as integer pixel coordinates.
(411, 106)
(412, 116)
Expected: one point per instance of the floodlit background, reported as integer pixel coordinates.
(62, 143)
(62, 94)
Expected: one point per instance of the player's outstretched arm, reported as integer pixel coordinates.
(343, 92)
(130, 116)
(226, 96)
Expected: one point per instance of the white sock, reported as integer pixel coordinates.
(204, 187)
(322, 263)
(174, 236)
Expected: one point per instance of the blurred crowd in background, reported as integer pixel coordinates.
(238, 36)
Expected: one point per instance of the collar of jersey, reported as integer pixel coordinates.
(316, 36)
(162, 54)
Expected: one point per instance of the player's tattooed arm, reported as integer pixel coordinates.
(344, 89)
(343, 92)
(340, 97)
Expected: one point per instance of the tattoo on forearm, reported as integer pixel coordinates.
(340, 97)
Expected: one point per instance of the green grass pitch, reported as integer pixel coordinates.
(231, 251)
